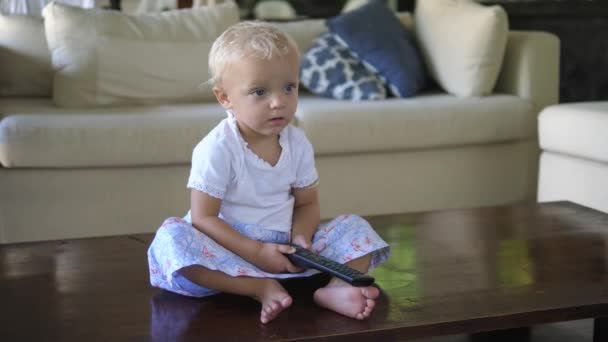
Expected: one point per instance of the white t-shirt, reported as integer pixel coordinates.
(252, 191)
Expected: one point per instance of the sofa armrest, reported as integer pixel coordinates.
(531, 67)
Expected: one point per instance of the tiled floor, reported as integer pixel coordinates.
(572, 331)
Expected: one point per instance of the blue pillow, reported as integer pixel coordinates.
(377, 37)
(329, 69)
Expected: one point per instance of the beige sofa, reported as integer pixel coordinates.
(574, 159)
(71, 172)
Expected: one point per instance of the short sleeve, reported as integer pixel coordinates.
(211, 167)
(306, 172)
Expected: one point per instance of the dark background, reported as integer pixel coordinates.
(582, 27)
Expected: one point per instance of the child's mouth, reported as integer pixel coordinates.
(277, 121)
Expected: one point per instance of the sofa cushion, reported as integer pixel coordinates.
(303, 32)
(25, 61)
(35, 133)
(377, 36)
(425, 121)
(329, 69)
(109, 58)
(576, 129)
(463, 44)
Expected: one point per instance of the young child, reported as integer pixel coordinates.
(253, 188)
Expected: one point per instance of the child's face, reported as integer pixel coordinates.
(262, 94)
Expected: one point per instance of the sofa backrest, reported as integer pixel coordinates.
(25, 60)
(23, 47)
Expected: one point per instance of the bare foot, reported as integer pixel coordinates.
(354, 302)
(274, 299)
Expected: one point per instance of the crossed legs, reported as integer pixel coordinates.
(337, 295)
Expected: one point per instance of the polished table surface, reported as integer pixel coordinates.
(454, 271)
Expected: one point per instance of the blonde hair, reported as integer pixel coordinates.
(246, 39)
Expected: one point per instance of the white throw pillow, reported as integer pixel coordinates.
(110, 58)
(463, 44)
(25, 61)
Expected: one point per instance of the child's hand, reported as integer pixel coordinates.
(301, 241)
(271, 258)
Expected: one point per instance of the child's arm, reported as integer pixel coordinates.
(306, 216)
(267, 256)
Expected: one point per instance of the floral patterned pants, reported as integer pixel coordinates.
(178, 244)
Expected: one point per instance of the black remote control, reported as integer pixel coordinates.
(307, 259)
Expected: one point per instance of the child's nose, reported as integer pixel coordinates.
(278, 101)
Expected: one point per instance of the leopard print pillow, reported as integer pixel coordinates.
(330, 69)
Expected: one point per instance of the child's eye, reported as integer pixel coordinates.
(258, 92)
(290, 88)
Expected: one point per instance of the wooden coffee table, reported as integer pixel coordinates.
(456, 271)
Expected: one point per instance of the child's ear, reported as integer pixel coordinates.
(222, 97)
